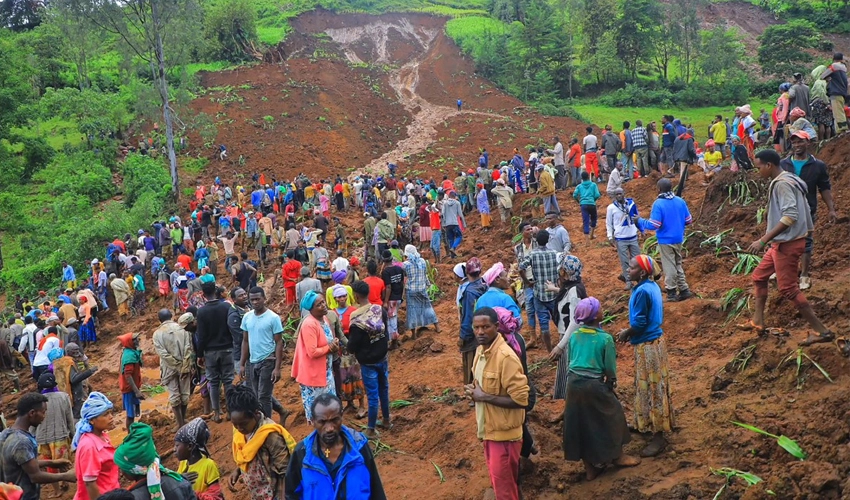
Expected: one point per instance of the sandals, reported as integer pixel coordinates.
(750, 326)
(843, 346)
(817, 339)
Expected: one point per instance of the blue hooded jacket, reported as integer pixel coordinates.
(308, 478)
(474, 290)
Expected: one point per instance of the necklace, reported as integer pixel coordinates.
(327, 453)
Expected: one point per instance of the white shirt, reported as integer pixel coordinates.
(340, 264)
(41, 358)
(590, 142)
(142, 254)
(618, 223)
(28, 339)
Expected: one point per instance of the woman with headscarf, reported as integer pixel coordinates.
(819, 104)
(196, 466)
(312, 363)
(368, 341)
(338, 279)
(53, 434)
(780, 118)
(570, 292)
(420, 313)
(653, 402)
(797, 119)
(509, 327)
(140, 302)
(348, 377)
(71, 372)
(138, 460)
(321, 259)
(94, 463)
(193, 285)
(498, 281)
(202, 255)
(88, 334)
(122, 294)
(595, 427)
(747, 128)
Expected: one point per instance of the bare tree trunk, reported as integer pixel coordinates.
(162, 85)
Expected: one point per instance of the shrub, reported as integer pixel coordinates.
(143, 174)
(633, 95)
(78, 175)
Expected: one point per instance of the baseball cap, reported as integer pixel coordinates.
(802, 134)
(473, 265)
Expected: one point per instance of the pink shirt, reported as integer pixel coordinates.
(309, 364)
(95, 462)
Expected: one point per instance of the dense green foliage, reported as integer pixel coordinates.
(657, 53)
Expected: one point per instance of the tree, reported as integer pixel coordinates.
(668, 33)
(143, 25)
(685, 13)
(597, 48)
(782, 49)
(636, 21)
(230, 30)
(722, 52)
(21, 15)
(508, 10)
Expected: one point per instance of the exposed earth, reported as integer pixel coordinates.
(357, 91)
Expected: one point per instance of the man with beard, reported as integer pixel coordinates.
(334, 461)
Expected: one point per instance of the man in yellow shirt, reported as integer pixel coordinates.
(718, 133)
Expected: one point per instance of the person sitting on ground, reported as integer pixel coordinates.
(261, 448)
(333, 461)
(595, 427)
(190, 447)
(139, 462)
(712, 160)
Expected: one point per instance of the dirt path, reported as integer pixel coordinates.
(421, 132)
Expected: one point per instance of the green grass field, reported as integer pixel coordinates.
(56, 131)
(700, 117)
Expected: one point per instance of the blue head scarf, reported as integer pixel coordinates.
(55, 354)
(309, 300)
(96, 405)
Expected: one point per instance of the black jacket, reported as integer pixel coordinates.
(814, 174)
(367, 346)
(213, 333)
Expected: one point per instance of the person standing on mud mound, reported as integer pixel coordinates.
(459, 105)
(452, 218)
(814, 173)
(560, 168)
(653, 401)
(543, 262)
(173, 344)
(788, 225)
(215, 346)
(500, 403)
(668, 219)
(310, 475)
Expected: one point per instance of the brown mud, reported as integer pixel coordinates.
(438, 429)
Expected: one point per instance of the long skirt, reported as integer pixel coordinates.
(424, 232)
(419, 310)
(308, 394)
(653, 402)
(139, 302)
(821, 115)
(352, 380)
(594, 423)
(87, 332)
(57, 450)
(183, 298)
(561, 377)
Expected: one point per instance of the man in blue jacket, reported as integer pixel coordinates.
(334, 462)
(467, 343)
(668, 219)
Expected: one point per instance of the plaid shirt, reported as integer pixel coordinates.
(639, 138)
(417, 279)
(544, 265)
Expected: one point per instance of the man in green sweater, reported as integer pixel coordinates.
(586, 195)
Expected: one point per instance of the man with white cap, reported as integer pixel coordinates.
(173, 344)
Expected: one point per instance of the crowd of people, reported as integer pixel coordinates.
(218, 335)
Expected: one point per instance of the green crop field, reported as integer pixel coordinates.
(700, 117)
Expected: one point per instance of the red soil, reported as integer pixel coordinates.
(439, 428)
